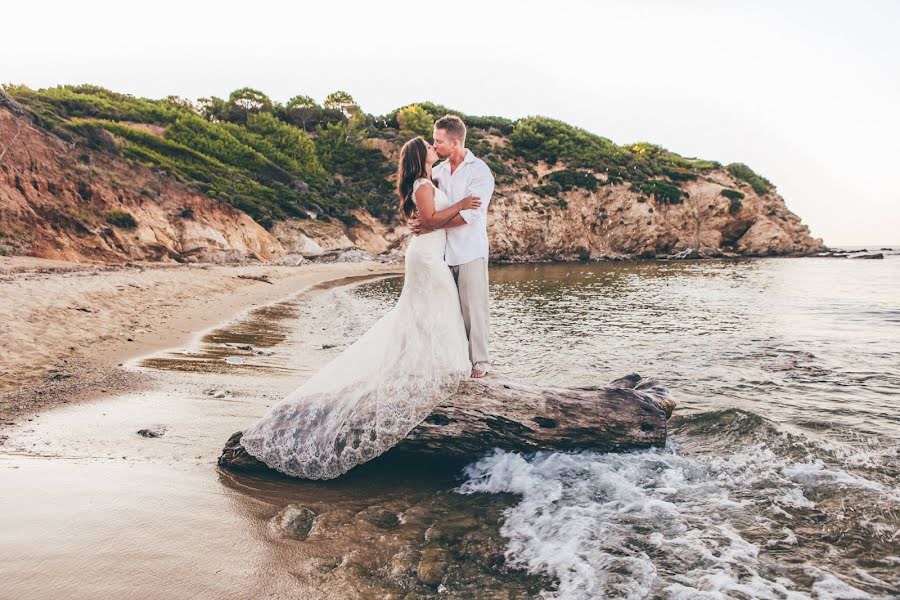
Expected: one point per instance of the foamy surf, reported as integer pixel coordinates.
(665, 524)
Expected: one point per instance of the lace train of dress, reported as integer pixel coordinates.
(375, 392)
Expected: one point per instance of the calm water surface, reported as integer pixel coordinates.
(781, 476)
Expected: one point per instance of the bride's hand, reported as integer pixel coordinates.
(415, 225)
(469, 202)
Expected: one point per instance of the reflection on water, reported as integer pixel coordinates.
(242, 345)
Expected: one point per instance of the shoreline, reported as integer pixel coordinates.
(124, 311)
(68, 328)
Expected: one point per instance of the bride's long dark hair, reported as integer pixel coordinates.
(410, 167)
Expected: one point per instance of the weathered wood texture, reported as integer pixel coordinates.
(495, 412)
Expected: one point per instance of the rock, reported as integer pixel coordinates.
(688, 254)
(493, 412)
(333, 519)
(870, 256)
(291, 260)
(310, 237)
(354, 256)
(154, 431)
(380, 517)
(432, 566)
(450, 530)
(628, 413)
(767, 237)
(294, 521)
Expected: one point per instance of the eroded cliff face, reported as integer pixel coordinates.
(55, 197)
(617, 221)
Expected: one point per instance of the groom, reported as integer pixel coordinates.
(460, 175)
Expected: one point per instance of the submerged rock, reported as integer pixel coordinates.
(380, 517)
(432, 566)
(451, 530)
(294, 521)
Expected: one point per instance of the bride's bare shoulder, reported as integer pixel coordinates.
(422, 181)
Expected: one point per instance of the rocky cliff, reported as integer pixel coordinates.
(621, 221)
(55, 199)
(68, 200)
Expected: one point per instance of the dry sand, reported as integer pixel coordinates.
(65, 326)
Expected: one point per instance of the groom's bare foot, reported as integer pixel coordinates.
(476, 374)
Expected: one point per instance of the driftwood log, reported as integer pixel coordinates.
(494, 412)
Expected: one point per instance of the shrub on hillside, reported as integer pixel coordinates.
(732, 194)
(121, 218)
(734, 198)
(760, 184)
(663, 192)
(570, 179)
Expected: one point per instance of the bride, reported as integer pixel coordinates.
(375, 392)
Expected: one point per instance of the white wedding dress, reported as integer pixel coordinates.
(375, 392)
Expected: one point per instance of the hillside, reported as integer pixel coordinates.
(90, 174)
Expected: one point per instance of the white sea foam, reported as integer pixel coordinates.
(653, 523)
(814, 474)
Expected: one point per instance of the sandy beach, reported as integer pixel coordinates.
(109, 473)
(65, 327)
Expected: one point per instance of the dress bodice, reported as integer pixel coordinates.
(434, 243)
(441, 201)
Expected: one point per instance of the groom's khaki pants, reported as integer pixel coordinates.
(472, 282)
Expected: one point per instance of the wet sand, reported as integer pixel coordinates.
(66, 326)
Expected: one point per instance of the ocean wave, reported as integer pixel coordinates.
(660, 523)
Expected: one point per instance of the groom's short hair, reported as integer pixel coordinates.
(453, 125)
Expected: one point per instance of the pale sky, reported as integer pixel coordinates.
(806, 93)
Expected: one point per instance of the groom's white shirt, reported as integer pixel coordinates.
(466, 242)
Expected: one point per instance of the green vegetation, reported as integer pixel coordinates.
(121, 218)
(569, 179)
(291, 160)
(539, 138)
(760, 184)
(663, 192)
(414, 120)
(564, 180)
(732, 194)
(734, 197)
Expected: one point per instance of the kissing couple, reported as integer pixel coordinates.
(370, 396)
